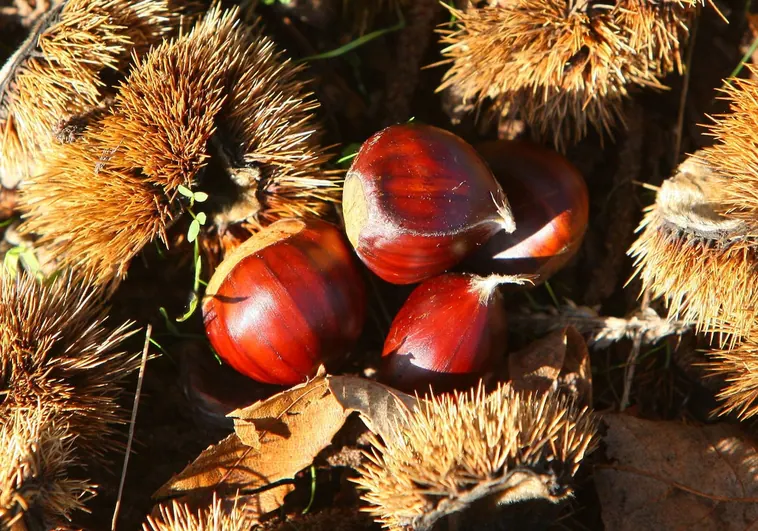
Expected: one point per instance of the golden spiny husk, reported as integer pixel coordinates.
(700, 261)
(739, 368)
(735, 154)
(220, 516)
(59, 71)
(103, 197)
(563, 66)
(37, 491)
(56, 352)
(269, 118)
(452, 445)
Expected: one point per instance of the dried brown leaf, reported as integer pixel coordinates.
(379, 406)
(559, 360)
(227, 467)
(307, 408)
(667, 475)
(274, 440)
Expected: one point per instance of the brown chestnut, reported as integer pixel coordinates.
(286, 301)
(417, 200)
(448, 334)
(550, 204)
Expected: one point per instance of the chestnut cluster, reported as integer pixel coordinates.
(417, 202)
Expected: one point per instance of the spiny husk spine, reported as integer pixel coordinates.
(36, 459)
(58, 71)
(562, 67)
(55, 351)
(155, 138)
(222, 515)
(735, 153)
(700, 261)
(738, 367)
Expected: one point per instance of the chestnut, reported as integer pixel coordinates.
(550, 204)
(447, 335)
(286, 301)
(417, 200)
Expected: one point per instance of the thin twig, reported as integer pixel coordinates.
(601, 331)
(131, 426)
(631, 361)
(685, 91)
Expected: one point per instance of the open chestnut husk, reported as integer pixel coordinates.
(550, 205)
(417, 200)
(286, 301)
(448, 334)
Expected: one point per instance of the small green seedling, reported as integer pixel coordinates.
(24, 255)
(348, 154)
(198, 219)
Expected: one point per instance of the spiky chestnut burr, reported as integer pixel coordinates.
(222, 515)
(56, 351)
(63, 68)
(269, 141)
(700, 261)
(417, 200)
(37, 490)
(735, 153)
(738, 367)
(476, 450)
(217, 107)
(562, 66)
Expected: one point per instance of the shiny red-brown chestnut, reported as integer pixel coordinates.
(417, 200)
(286, 301)
(448, 333)
(550, 205)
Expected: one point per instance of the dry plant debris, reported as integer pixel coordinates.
(558, 361)
(667, 475)
(505, 446)
(221, 93)
(602, 331)
(276, 438)
(476, 449)
(363, 13)
(59, 71)
(562, 66)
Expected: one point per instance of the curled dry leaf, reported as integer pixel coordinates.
(380, 407)
(666, 475)
(276, 438)
(559, 360)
